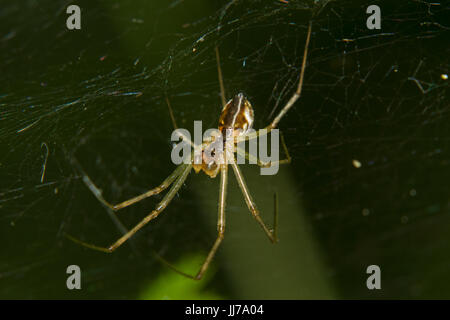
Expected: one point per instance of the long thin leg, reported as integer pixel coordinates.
(220, 230)
(88, 182)
(251, 204)
(174, 123)
(255, 134)
(220, 220)
(172, 117)
(298, 92)
(98, 194)
(159, 208)
(163, 186)
(262, 164)
(219, 72)
(275, 216)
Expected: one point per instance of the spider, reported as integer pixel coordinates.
(236, 119)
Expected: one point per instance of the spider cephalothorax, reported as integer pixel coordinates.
(209, 159)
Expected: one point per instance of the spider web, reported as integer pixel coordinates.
(369, 180)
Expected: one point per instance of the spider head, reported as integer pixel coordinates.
(237, 115)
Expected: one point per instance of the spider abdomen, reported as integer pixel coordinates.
(236, 115)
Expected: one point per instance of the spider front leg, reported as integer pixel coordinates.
(185, 170)
(297, 92)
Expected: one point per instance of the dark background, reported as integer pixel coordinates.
(374, 97)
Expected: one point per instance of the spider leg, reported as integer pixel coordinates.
(164, 185)
(255, 159)
(172, 117)
(271, 234)
(220, 229)
(171, 266)
(98, 193)
(220, 221)
(298, 92)
(174, 123)
(159, 208)
(219, 73)
(275, 216)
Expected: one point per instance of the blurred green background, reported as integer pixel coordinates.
(369, 181)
